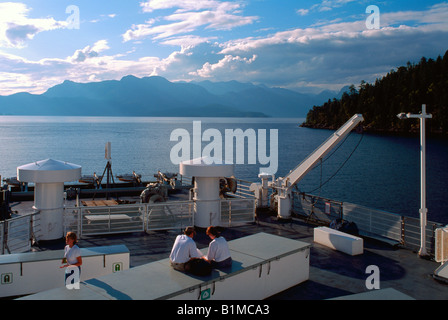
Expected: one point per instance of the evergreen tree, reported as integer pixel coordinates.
(402, 90)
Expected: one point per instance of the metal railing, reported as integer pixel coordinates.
(411, 234)
(370, 222)
(169, 215)
(17, 234)
(402, 229)
(374, 221)
(102, 220)
(237, 211)
(315, 208)
(243, 189)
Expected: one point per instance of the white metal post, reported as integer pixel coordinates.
(423, 210)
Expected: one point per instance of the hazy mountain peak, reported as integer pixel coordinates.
(156, 96)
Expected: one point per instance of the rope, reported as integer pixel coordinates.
(337, 171)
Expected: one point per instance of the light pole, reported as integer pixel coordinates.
(423, 210)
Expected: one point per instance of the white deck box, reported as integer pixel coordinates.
(338, 240)
(31, 272)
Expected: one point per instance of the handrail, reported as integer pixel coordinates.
(151, 216)
(385, 225)
(17, 233)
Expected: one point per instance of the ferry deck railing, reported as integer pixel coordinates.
(144, 217)
(379, 224)
(18, 233)
(242, 190)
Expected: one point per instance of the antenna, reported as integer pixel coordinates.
(108, 152)
(107, 169)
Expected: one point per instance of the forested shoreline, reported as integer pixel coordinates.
(404, 89)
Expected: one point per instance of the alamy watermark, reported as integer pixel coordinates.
(72, 278)
(190, 146)
(373, 280)
(73, 20)
(373, 20)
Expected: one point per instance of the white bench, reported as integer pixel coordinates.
(263, 265)
(31, 272)
(338, 240)
(107, 217)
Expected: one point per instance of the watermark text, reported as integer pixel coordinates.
(373, 20)
(73, 20)
(190, 146)
(373, 280)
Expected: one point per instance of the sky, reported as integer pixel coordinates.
(307, 46)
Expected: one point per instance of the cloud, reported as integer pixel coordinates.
(303, 12)
(229, 64)
(89, 51)
(182, 5)
(189, 17)
(327, 55)
(24, 75)
(18, 33)
(334, 54)
(328, 5)
(186, 41)
(85, 65)
(104, 17)
(16, 28)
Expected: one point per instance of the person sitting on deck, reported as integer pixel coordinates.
(184, 250)
(218, 254)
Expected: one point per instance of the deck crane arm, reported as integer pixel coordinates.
(285, 185)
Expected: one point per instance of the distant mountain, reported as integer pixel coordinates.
(156, 96)
(220, 88)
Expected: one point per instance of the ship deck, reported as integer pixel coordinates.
(333, 274)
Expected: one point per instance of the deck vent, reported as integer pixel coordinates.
(49, 176)
(441, 244)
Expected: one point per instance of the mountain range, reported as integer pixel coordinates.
(157, 97)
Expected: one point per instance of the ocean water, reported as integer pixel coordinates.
(383, 172)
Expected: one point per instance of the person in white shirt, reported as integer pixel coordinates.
(218, 254)
(184, 249)
(72, 256)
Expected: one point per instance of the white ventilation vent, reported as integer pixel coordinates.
(441, 246)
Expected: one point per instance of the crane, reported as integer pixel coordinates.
(284, 185)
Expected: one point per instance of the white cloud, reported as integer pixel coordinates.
(84, 65)
(229, 65)
(303, 12)
(189, 17)
(16, 27)
(326, 55)
(89, 51)
(104, 17)
(23, 75)
(334, 54)
(186, 41)
(435, 18)
(183, 5)
(328, 5)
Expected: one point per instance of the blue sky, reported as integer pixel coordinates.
(307, 46)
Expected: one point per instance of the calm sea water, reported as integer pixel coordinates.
(382, 173)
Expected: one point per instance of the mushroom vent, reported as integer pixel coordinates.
(48, 171)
